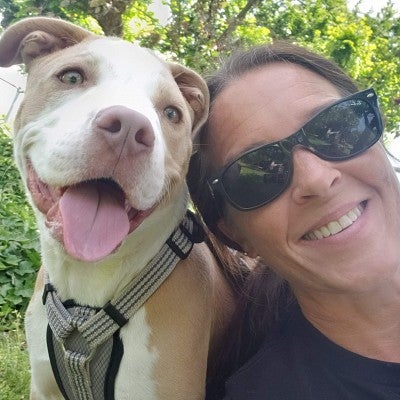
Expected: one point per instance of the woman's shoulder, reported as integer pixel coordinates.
(270, 363)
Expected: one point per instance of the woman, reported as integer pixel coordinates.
(290, 170)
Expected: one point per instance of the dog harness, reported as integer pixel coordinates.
(83, 342)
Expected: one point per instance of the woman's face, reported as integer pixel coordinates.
(267, 105)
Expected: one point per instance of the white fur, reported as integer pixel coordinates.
(137, 363)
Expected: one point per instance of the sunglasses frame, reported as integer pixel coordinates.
(215, 183)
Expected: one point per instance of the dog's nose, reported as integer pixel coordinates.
(122, 125)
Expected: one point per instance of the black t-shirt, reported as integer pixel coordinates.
(299, 363)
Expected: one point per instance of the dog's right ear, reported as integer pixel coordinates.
(37, 36)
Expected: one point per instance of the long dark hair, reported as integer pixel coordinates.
(264, 295)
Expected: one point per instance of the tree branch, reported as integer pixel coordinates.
(235, 22)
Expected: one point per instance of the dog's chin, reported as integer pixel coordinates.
(90, 219)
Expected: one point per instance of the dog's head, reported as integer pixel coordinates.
(103, 135)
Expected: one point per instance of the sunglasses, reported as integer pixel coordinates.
(339, 132)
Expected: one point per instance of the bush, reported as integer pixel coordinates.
(19, 240)
(14, 365)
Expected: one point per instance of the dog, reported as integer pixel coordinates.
(102, 141)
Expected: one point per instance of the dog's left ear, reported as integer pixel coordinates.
(195, 91)
(35, 37)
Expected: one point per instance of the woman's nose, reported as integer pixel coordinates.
(312, 176)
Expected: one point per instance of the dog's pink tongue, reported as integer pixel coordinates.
(94, 220)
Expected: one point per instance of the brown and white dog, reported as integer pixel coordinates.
(102, 142)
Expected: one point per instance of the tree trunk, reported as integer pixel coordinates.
(109, 15)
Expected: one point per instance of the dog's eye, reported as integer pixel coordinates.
(72, 77)
(172, 114)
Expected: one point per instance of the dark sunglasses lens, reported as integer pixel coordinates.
(343, 130)
(257, 177)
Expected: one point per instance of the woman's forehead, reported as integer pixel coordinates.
(272, 84)
(265, 105)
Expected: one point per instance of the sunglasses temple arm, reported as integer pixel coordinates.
(215, 200)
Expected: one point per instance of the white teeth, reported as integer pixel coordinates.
(345, 221)
(352, 215)
(318, 234)
(334, 227)
(325, 231)
(314, 237)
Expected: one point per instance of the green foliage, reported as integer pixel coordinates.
(365, 46)
(14, 364)
(19, 246)
(98, 15)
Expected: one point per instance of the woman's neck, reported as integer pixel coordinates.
(364, 323)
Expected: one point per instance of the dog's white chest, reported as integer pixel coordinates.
(137, 365)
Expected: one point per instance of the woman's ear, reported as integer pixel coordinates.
(235, 240)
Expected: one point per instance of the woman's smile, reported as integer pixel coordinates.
(337, 225)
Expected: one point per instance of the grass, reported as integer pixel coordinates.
(14, 365)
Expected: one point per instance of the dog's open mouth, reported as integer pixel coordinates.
(91, 218)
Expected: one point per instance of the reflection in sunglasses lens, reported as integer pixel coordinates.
(343, 130)
(256, 176)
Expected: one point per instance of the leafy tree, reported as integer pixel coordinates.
(19, 243)
(365, 46)
(383, 71)
(108, 14)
